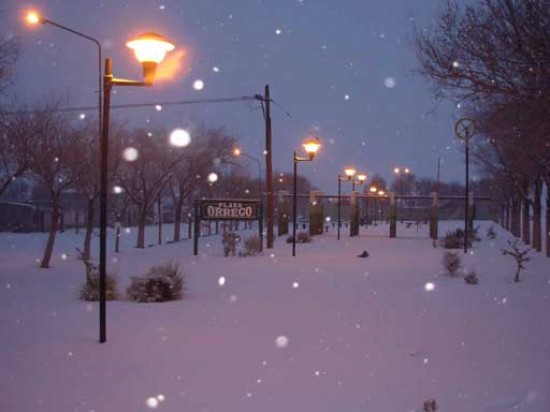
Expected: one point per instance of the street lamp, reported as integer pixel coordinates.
(465, 129)
(311, 146)
(238, 152)
(33, 18)
(349, 172)
(361, 177)
(149, 49)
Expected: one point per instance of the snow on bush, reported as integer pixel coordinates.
(252, 246)
(161, 284)
(89, 291)
(451, 262)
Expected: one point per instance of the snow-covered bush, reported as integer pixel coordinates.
(302, 237)
(429, 405)
(455, 239)
(471, 278)
(89, 291)
(229, 242)
(252, 246)
(519, 254)
(451, 262)
(161, 284)
(491, 234)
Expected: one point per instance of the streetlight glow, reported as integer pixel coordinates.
(150, 47)
(33, 18)
(361, 177)
(349, 172)
(311, 146)
(373, 189)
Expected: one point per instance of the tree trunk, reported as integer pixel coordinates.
(53, 231)
(516, 217)
(537, 216)
(117, 235)
(141, 229)
(548, 219)
(89, 230)
(526, 221)
(507, 215)
(177, 219)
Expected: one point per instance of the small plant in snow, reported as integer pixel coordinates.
(252, 246)
(161, 284)
(229, 242)
(429, 405)
(519, 254)
(89, 291)
(303, 237)
(471, 278)
(491, 234)
(451, 262)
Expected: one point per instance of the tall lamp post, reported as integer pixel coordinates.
(465, 129)
(239, 152)
(311, 146)
(349, 172)
(149, 49)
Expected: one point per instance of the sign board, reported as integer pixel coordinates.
(229, 209)
(226, 209)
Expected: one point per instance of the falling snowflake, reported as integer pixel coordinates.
(82, 116)
(216, 69)
(213, 177)
(198, 84)
(281, 341)
(429, 286)
(295, 285)
(389, 82)
(180, 138)
(221, 281)
(158, 107)
(130, 154)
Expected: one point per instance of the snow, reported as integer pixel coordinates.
(358, 334)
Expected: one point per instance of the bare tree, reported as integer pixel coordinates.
(145, 177)
(55, 163)
(9, 51)
(18, 130)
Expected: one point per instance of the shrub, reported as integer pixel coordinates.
(454, 239)
(303, 237)
(289, 239)
(519, 254)
(252, 246)
(229, 242)
(161, 284)
(90, 290)
(491, 234)
(451, 262)
(471, 278)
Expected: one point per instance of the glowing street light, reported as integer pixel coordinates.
(311, 146)
(349, 172)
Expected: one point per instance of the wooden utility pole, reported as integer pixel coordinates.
(269, 170)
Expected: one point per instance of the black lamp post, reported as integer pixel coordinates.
(311, 146)
(465, 129)
(349, 173)
(150, 49)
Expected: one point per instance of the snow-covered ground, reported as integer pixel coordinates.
(324, 331)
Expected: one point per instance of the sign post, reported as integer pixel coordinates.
(226, 209)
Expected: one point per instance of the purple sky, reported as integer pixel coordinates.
(344, 70)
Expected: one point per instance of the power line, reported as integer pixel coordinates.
(140, 105)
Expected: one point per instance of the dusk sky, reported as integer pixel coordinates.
(343, 70)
